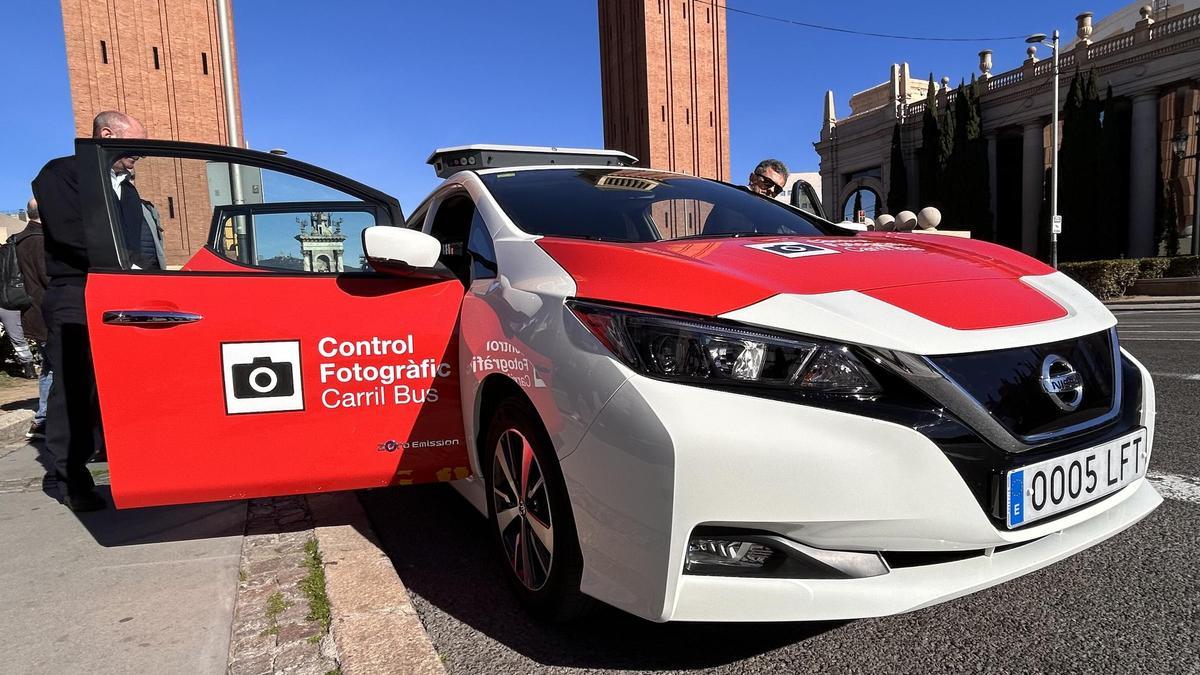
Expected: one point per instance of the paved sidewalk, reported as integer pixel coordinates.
(1153, 302)
(139, 591)
(232, 587)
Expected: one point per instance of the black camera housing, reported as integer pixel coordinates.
(243, 372)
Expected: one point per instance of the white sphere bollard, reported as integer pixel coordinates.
(929, 218)
(906, 221)
(885, 223)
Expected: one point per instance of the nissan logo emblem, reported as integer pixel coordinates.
(1061, 382)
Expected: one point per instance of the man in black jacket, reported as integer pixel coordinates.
(31, 258)
(73, 414)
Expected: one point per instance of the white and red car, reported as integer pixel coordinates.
(666, 393)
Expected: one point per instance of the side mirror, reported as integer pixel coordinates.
(403, 252)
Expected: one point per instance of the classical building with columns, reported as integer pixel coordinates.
(1149, 54)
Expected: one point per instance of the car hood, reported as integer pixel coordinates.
(959, 284)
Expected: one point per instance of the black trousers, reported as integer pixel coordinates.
(72, 409)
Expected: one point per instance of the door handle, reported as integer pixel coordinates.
(148, 318)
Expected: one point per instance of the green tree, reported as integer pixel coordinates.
(956, 194)
(946, 136)
(1079, 170)
(977, 209)
(897, 197)
(928, 174)
(1112, 224)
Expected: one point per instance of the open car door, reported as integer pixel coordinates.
(276, 361)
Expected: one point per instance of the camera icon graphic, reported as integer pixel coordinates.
(262, 376)
(793, 249)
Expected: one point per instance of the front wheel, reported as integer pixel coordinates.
(532, 526)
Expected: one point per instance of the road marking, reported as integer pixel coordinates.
(1182, 376)
(1158, 339)
(1176, 486)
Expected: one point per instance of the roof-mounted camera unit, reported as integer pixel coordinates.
(449, 161)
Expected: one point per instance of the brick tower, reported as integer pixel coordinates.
(159, 61)
(663, 72)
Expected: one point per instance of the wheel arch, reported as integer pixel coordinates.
(492, 390)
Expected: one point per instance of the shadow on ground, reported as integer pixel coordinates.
(440, 548)
(131, 527)
(21, 404)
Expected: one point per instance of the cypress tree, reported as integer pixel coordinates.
(1070, 166)
(897, 197)
(1087, 183)
(978, 200)
(928, 174)
(946, 135)
(1080, 157)
(1113, 220)
(959, 197)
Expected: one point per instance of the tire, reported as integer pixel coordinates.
(537, 545)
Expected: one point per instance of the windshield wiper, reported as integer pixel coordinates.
(591, 237)
(725, 235)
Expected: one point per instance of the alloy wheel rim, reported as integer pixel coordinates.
(521, 501)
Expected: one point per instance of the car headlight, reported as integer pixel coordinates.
(703, 352)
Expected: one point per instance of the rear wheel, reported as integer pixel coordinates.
(532, 526)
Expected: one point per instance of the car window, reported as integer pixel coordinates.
(166, 207)
(451, 224)
(637, 205)
(804, 198)
(481, 250)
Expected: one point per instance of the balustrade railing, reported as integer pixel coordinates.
(1174, 25)
(1100, 50)
(1004, 79)
(1115, 44)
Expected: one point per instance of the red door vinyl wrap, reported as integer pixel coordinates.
(286, 384)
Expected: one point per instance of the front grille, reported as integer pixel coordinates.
(1007, 383)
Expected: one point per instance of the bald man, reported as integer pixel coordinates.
(72, 410)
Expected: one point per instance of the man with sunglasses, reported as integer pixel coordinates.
(768, 178)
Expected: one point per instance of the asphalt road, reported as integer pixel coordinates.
(1129, 604)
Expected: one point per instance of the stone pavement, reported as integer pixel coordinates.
(277, 626)
(139, 591)
(231, 587)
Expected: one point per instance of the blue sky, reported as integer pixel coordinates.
(369, 88)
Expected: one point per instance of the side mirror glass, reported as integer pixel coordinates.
(403, 252)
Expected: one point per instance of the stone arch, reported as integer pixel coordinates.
(871, 183)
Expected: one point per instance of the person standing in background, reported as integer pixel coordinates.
(31, 257)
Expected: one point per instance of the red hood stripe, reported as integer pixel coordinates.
(968, 305)
(716, 276)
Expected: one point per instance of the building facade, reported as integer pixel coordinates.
(664, 76)
(1149, 56)
(159, 61)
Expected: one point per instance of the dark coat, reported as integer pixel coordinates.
(56, 189)
(31, 258)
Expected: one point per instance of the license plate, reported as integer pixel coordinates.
(1043, 489)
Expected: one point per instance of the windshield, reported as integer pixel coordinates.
(636, 205)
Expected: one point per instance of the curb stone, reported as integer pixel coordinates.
(13, 425)
(375, 627)
(272, 631)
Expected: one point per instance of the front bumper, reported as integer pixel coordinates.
(706, 598)
(661, 459)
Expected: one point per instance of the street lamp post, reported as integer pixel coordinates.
(1055, 219)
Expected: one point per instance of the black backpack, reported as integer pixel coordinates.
(12, 284)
